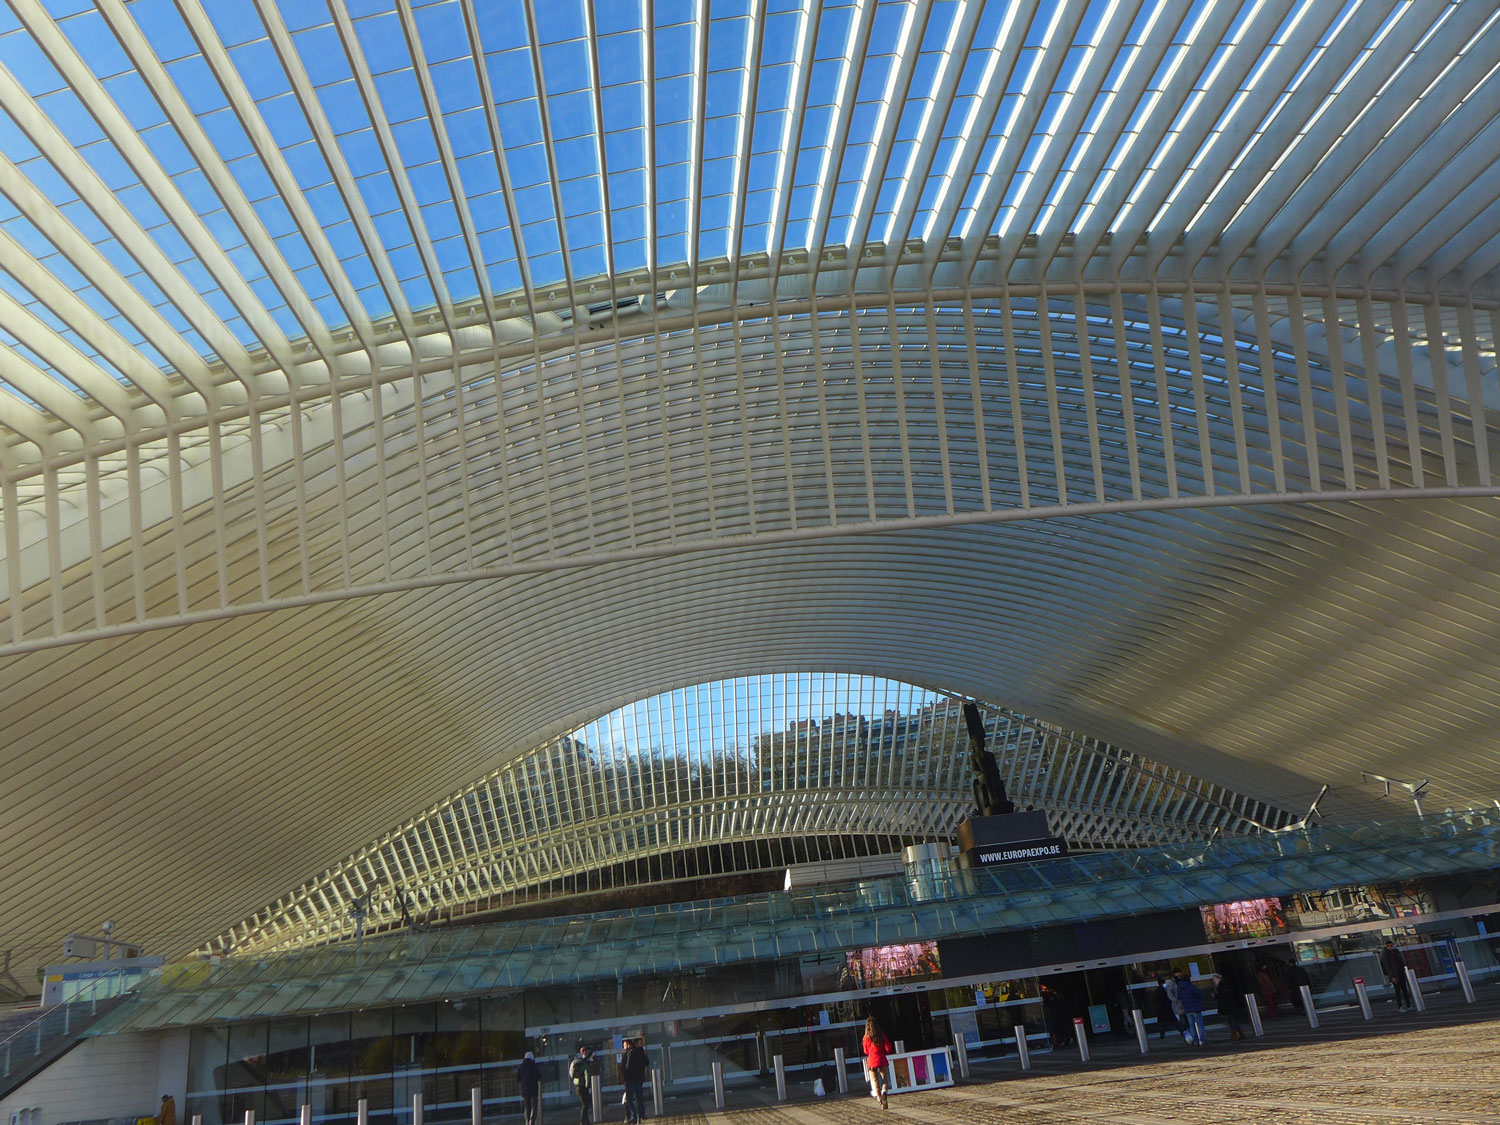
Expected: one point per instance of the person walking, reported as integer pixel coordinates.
(1192, 1009)
(635, 1066)
(1174, 990)
(580, 1074)
(877, 1048)
(1393, 965)
(529, 1083)
(1267, 988)
(1164, 1017)
(1229, 1003)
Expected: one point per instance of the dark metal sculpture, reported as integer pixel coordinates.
(989, 789)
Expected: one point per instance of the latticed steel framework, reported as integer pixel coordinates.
(390, 387)
(736, 776)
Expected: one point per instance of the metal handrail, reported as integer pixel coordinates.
(89, 995)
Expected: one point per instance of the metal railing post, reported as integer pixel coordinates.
(779, 1065)
(1307, 1005)
(841, 1069)
(1252, 1002)
(1139, 1020)
(1362, 994)
(961, 1050)
(718, 1071)
(1463, 980)
(1023, 1049)
(1416, 990)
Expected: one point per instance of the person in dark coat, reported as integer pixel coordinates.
(635, 1067)
(1231, 1005)
(1192, 1009)
(1393, 965)
(1166, 1016)
(529, 1083)
(581, 1075)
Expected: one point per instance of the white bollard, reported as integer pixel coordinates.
(596, 1090)
(779, 1065)
(416, 1109)
(1252, 1003)
(1416, 990)
(718, 1069)
(305, 1117)
(1363, 996)
(841, 1070)
(1139, 1020)
(1307, 1005)
(362, 1112)
(1081, 1035)
(1463, 981)
(197, 1119)
(961, 1051)
(1023, 1049)
(476, 1106)
(657, 1094)
(249, 1117)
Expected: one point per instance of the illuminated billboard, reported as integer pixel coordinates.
(886, 964)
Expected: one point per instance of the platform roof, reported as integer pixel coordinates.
(389, 389)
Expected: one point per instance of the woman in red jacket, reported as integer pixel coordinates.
(876, 1047)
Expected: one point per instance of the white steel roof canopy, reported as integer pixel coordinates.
(387, 388)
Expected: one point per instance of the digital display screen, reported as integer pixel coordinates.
(885, 964)
(1256, 917)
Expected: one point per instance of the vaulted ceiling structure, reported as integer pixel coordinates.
(389, 387)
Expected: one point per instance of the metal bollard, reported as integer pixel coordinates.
(1080, 1033)
(476, 1106)
(197, 1119)
(1023, 1049)
(841, 1069)
(1140, 1030)
(1307, 1006)
(780, 1067)
(961, 1050)
(1363, 996)
(718, 1069)
(900, 1046)
(362, 1112)
(596, 1090)
(416, 1108)
(1417, 998)
(657, 1095)
(1252, 1003)
(305, 1117)
(249, 1117)
(1463, 981)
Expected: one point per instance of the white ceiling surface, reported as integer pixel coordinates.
(241, 639)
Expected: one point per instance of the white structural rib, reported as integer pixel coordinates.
(1129, 362)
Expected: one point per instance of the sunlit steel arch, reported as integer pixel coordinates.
(1082, 210)
(572, 818)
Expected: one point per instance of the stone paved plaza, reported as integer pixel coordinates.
(1439, 1067)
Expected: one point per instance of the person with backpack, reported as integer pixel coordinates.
(634, 1068)
(529, 1084)
(877, 1048)
(580, 1074)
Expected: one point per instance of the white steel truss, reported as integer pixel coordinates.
(388, 386)
(681, 779)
